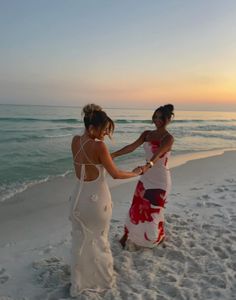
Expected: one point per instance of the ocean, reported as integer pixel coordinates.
(35, 140)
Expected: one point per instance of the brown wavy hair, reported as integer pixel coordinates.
(95, 116)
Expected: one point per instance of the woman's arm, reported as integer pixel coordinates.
(131, 147)
(164, 147)
(106, 160)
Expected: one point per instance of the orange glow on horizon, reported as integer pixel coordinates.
(178, 91)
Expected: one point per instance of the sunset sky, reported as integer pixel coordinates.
(127, 53)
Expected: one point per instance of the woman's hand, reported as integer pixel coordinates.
(138, 171)
(106, 160)
(145, 168)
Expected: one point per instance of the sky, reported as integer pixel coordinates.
(126, 53)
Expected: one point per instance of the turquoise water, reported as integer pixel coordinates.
(35, 140)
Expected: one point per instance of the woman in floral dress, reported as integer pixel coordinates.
(144, 225)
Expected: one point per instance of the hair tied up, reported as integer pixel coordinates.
(169, 107)
(167, 112)
(89, 109)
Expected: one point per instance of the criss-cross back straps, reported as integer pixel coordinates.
(82, 148)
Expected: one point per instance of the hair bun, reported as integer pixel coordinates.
(169, 107)
(91, 108)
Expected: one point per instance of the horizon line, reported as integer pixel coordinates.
(141, 108)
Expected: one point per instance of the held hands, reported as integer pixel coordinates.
(144, 168)
(140, 170)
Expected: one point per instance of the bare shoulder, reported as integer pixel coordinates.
(144, 134)
(75, 139)
(169, 138)
(100, 146)
(101, 150)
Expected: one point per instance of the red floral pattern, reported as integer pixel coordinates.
(161, 234)
(145, 223)
(141, 209)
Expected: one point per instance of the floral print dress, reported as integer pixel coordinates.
(145, 221)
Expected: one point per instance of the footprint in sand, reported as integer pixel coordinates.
(199, 204)
(52, 272)
(175, 255)
(4, 277)
(218, 281)
(61, 293)
(115, 221)
(205, 196)
(195, 214)
(219, 190)
(231, 180)
(180, 205)
(195, 189)
(220, 252)
(10, 244)
(47, 250)
(187, 283)
(212, 204)
(225, 188)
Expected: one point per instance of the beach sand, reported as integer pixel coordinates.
(196, 261)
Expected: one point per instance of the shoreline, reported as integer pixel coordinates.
(175, 161)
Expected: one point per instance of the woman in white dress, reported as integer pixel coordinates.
(91, 209)
(145, 221)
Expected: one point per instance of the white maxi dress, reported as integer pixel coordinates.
(91, 210)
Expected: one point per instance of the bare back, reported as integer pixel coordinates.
(85, 153)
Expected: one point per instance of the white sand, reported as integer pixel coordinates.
(197, 260)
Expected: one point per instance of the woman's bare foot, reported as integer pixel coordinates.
(162, 242)
(123, 241)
